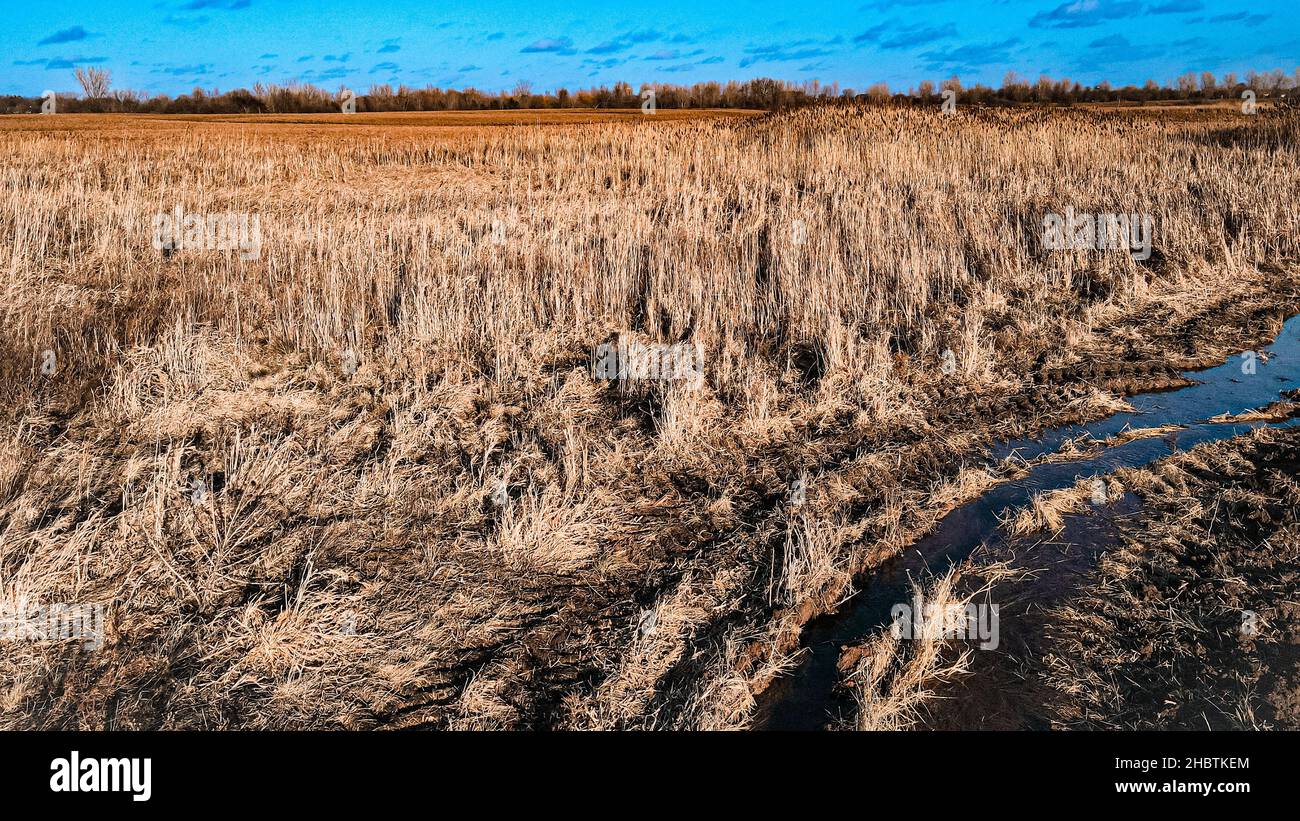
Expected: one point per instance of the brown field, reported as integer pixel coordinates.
(367, 121)
(468, 530)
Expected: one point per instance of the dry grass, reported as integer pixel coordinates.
(373, 499)
(1047, 511)
(895, 677)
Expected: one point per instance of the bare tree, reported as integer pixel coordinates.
(878, 92)
(523, 93)
(94, 81)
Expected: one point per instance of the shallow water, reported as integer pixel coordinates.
(805, 699)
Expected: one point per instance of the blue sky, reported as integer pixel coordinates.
(171, 46)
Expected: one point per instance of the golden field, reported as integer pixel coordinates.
(354, 561)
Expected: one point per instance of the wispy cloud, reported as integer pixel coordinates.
(623, 42)
(1115, 48)
(971, 57)
(553, 45)
(70, 62)
(784, 52)
(328, 74)
(1178, 7)
(1240, 17)
(1085, 13)
(608, 62)
(892, 36)
(181, 70)
(873, 34)
(912, 36)
(67, 35)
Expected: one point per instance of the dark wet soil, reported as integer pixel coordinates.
(809, 697)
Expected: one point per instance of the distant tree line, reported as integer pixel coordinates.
(1190, 86)
(763, 93)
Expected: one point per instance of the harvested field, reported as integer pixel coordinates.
(372, 122)
(367, 477)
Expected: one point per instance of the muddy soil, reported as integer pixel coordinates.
(1216, 404)
(1188, 621)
